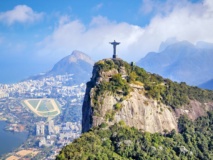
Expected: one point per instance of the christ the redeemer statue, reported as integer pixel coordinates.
(114, 48)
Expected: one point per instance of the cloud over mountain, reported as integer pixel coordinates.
(184, 21)
(93, 39)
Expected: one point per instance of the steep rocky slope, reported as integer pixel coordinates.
(120, 92)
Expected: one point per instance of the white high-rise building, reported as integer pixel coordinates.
(51, 127)
(40, 128)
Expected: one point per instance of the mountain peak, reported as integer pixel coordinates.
(77, 63)
(180, 46)
(173, 43)
(78, 55)
(166, 43)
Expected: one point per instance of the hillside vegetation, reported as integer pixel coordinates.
(168, 92)
(195, 141)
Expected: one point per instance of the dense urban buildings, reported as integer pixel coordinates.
(51, 133)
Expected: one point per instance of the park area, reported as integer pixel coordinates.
(46, 107)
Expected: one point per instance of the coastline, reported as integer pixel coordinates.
(10, 140)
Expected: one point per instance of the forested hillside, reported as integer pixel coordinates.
(168, 92)
(195, 141)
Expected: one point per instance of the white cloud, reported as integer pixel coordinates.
(159, 7)
(21, 14)
(93, 40)
(192, 22)
(209, 5)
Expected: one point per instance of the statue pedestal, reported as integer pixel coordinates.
(114, 56)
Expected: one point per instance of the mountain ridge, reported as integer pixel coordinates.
(207, 85)
(181, 62)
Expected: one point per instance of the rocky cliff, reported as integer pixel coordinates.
(120, 92)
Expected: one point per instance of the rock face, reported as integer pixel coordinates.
(134, 109)
(140, 112)
(194, 109)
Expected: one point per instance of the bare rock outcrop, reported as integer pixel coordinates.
(194, 109)
(138, 111)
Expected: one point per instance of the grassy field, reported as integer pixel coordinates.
(34, 102)
(42, 107)
(45, 105)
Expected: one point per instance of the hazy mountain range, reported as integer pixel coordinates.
(207, 85)
(181, 61)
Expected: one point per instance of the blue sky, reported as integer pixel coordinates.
(36, 34)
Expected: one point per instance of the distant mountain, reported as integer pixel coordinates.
(207, 85)
(168, 42)
(75, 63)
(204, 45)
(182, 61)
(78, 63)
